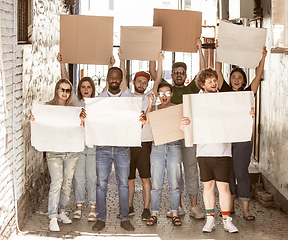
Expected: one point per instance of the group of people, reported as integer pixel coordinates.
(219, 164)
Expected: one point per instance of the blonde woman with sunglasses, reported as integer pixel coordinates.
(61, 166)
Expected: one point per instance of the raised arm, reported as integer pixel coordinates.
(123, 85)
(256, 81)
(64, 73)
(202, 64)
(218, 68)
(152, 69)
(150, 107)
(158, 79)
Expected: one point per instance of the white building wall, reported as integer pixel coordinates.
(30, 73)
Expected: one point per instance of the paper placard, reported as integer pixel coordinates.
(86, 39)
(57, 129)
(140, 43)
(219, 117)
(279, 12)
(113, 121)
(180, 29)
(165, 124)
(240, 45)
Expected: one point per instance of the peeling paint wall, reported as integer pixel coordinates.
(273, 157)
(30, 73)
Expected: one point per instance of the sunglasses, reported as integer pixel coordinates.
(167, 94)
(62, 90)
(181, 72)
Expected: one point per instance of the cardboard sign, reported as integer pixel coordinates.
(140, 43)
(165, 124)
(86, 39)
(240, 45)
(180, 29)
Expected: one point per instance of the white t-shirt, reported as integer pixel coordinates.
(146, 133)
(214, 150)
(108, 94)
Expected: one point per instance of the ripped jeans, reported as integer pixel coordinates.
(61, 168)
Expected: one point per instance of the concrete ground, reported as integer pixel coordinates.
(269, 223)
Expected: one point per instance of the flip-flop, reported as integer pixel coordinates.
(248, 216)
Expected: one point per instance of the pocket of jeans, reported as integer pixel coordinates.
(125, 148)
(176, 143)
(99, 147)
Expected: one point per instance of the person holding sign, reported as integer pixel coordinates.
(241, 151)
(105, 156)
(61, 166)
(163, 156)
(215, 162)
(140, 156)
(188, 153)
(86, 164)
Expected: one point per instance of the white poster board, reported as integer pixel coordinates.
(240, 45)
(113, 121)
(218, 117)
(57, 129)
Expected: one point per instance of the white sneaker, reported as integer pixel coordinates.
(180, 212)
(229, 226)
(53, 225)
(63, 218)
(196, 213)
(209, 225)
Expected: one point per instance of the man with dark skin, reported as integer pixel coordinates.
(105, 155)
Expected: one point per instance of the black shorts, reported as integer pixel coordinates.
(215, 168)
(140, 159)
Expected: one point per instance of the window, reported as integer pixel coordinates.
(24, 21)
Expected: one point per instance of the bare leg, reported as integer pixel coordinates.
(131, 183)
(224, 196)
(208, 194)
(146, 191)
(193, 201)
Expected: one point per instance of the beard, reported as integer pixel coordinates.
(114, 87)
(139, 90)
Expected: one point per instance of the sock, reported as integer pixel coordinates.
(225, 214)
(209, 212)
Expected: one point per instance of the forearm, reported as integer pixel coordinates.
(218, 68)
(202, 63)
(256, 81)
(152, 69)
(158, 79)
(123, 85)
(64, 73)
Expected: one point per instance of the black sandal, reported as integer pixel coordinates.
(151, 221)
(176, 221)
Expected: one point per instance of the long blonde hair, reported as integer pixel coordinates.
(55, 100)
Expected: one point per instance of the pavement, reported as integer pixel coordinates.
(269, 224)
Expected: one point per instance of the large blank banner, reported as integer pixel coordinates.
(180, 29)
(240, 45)
(218, 117)
(165, 124)
(113, 121)
(86, 39)
(57, 129)
(140, 43)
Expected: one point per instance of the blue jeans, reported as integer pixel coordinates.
(241, 154)
(190, 169)
(85, 168)
(105, 155)
(165, 156)
(61, 168)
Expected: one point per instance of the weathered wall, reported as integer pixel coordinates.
(30, 73)
(273, 158)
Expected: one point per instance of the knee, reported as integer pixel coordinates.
(145, 181)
